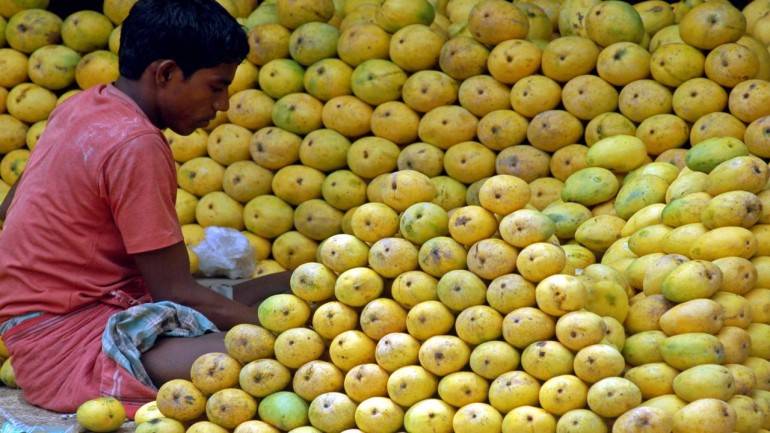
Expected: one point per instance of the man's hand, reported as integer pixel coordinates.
(167, 274)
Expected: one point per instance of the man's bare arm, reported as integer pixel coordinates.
(167, 274)
(253, 292)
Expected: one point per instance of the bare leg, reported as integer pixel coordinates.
(172, 357)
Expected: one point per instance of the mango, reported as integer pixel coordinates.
(732, 208)
(679, 240)
(698, 315)
(746, 173)
(724, 242)
(692, 280)
(685, 210)
(644, 217)
(759, 300)
(737, 344)
(648, 240)
(687, 183)
(708, 154)
(749, 415)
(644, 313)
(654, 379)
(590, 186)
(619, 250)
(644, 348)
(707, 416)
(655, 274)
(607, 298)
(599, 232)
(664, 170)
(567, 217)
(669, 403)
(736, 309)
(637, 268)
(705, 381)
(642, 191)
(685, 351)
(760, 340)
(619, 153)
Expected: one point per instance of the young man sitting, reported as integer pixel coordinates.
(96, 296)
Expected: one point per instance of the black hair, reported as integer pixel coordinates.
(196, 34)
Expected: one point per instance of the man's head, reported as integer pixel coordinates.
(184, 52)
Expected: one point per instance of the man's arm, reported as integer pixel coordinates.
(167, 274)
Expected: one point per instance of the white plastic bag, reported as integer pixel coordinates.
(225, 252)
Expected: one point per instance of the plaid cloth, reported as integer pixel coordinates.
(131, 332)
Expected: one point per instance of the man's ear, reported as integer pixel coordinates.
(165, 71)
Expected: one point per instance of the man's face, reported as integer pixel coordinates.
(186, 104)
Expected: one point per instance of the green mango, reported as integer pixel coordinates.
(685, 210)
(643, 348)
(685, 351)
(567, 217)
(711, 152)
(641, 192)
(590, 186)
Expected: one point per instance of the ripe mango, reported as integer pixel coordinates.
(644, 313)
(685, 351)
(654, 379)
(736, 342)
(724, 242)
(698, 315)
(687, 183)
(644, 217)
(747, 173)
(692, 280)
(619, 153)
(679, 240)
(705, 381)
(732, 208)
(655, 274)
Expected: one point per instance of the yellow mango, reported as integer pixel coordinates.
(649, 239)
(698, 315)
(679, 240)
(724, 242)
(736, 309)
(746, 173)
(705, 381)
(644, 313)
(687, 183)
(692, 280)
(644, 217)
(655, 274)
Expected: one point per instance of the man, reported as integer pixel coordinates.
(95, 288)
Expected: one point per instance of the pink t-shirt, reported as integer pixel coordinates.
(99, 187)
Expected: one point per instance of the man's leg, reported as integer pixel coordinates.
(171, 357)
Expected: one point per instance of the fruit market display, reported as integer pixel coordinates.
(540, 216)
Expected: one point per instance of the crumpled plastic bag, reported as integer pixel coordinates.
(225, 252)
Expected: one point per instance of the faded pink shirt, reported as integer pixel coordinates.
(99, 187)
